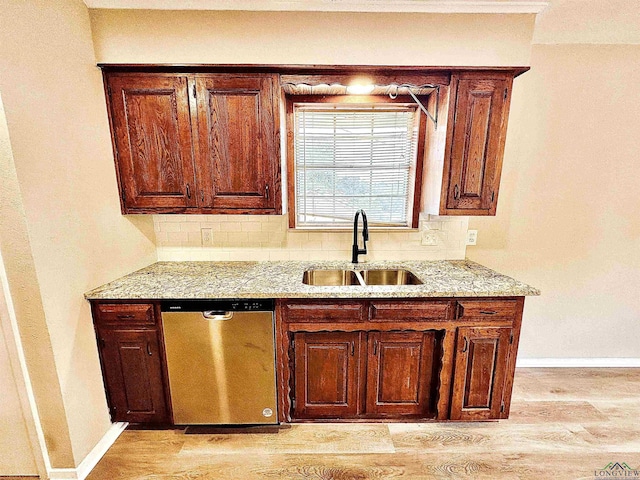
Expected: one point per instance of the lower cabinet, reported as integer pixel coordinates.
(402, 359)
(364, 374)
(481, 359)
(133, 375)
(129, 340)
(401, 369)
(326, 374)
(356, 359)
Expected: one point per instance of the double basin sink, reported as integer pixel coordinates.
(334, 278)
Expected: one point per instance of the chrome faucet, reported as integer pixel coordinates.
(365, 236)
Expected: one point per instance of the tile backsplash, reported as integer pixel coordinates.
(267, 237)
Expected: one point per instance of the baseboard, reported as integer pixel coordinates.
(578, 362)
(92, 458)
(63, 473)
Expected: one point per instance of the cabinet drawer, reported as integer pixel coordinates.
(125, 314)
(486, 309)
(324, 312)
(391, 311)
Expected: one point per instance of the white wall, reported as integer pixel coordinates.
(23, 300)
(614, 22)
(156, 36)
(568, 216)
(17, 428)
(76, 237)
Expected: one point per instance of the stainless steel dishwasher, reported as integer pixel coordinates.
(221, 361)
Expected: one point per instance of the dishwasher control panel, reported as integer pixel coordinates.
(223, 305)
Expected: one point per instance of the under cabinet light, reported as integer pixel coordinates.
(360, 89)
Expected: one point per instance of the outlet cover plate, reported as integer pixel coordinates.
(430, 238)
(207, 237)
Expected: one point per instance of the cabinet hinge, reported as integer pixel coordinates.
(109, 90)
(124, 196)
(506, 91)
(103, 343)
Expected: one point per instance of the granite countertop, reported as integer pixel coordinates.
(199, 280)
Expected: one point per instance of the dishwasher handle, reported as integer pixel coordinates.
(217, 315)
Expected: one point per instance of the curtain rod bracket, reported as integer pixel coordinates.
(434, 117)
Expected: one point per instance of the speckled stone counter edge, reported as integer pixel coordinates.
(202, 280)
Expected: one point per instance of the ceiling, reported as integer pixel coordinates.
(433, 6)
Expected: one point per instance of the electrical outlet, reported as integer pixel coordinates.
(472, 237)
(207, 237)
(429, 237)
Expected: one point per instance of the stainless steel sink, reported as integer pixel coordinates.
(330, 278)
(338, 278)
(390, 277)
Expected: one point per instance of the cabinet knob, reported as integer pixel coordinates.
(466, 345)
(266, 192)
(188, 191)
(375, 347)
(353, 348)
(149, 348)
(456, 192)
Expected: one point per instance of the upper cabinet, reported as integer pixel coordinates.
(195, 143)
(237, 143)
(206, 139)
(151, 128)
(478, 112)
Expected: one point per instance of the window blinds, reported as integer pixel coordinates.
(350, 157)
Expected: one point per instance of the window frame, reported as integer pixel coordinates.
(291, 100)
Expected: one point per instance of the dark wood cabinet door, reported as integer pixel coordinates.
(151, 127)
(326, 371)
(132, 371)
(400, 374)
(479, 123)
(238, 142)
(480, 372)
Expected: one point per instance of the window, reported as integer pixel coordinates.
(348, 155)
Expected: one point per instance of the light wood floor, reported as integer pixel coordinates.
(564, 424)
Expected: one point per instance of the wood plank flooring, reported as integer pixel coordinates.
(564, 424)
